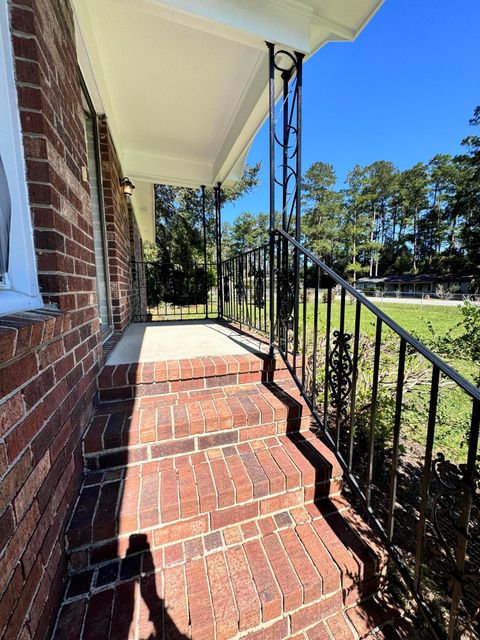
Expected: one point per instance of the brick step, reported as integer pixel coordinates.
(150, 428)
(295, 574)
(129, 381)
(181, 497)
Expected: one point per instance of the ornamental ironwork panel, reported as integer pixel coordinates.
(286, 135)
(259, 288)
(286, 292)
(226, 288)
(340, 375)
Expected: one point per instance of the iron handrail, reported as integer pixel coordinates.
(246, 253)
(468, 387)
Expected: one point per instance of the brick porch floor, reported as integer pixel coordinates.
(210, 510)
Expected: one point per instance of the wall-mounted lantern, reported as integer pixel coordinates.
(127, 186)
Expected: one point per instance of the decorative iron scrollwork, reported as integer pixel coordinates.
(239, 286)
(340, 372)
(259, 288)
(451, 485)
(226, 288)
(286, 290)
(240, 291)
(251, 266)
(286, 134)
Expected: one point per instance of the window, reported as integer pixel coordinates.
(18, 278)
(5, 223)
(98, 217)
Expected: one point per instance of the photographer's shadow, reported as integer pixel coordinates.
(137, 567)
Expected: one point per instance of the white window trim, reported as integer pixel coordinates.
(20, 292)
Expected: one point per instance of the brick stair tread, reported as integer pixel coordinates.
(302, 568)
(153, 378)
(203, 490)
(187, 368)
(239, 413)
(285, 386)
(212, 511)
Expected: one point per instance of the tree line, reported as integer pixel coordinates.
(383, 221)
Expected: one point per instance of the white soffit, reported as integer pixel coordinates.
(184, 83)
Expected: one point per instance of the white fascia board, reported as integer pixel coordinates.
(85, 65)
(88, 59)
(337, 31)
(243, 129)
(143, 205)
(236, 173)
(248, 119)
(368, 17)
(160, 169)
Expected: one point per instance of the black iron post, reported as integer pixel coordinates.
(286, 75)
(299, 70)
(218, 234)
(271, 98)
(298, 195)
(205, 249)
(283, 268)
(288, 291)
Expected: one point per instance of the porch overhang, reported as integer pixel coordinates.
(184, 83)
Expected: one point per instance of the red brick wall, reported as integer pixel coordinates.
(48, 359)
(118, 222)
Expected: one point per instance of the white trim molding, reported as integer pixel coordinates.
(19, 291)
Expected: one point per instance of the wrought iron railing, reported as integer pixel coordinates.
(383, 401)
(245, 289)
(170, 292)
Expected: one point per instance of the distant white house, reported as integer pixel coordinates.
(416, 284)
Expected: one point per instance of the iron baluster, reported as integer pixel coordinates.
(218, 219)
(253, 289)
(373, 412)
(396, 437)
(304, 320)
(315, 335)
(327, 352)
(358, 312)
(204, 222)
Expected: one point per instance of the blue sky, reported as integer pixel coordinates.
(403, 91)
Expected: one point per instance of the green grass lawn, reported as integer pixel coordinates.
(418, 320)
(412, 317)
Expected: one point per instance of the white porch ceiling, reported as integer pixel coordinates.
(184, 83)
